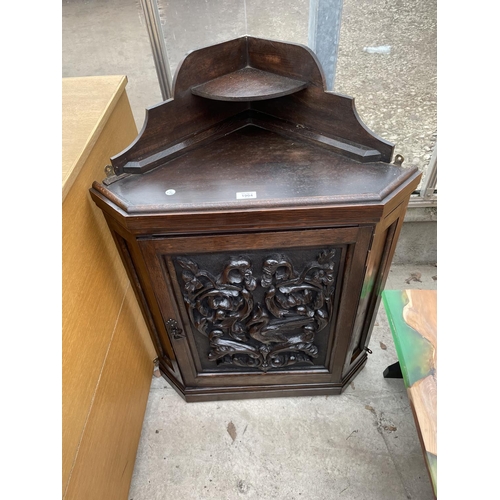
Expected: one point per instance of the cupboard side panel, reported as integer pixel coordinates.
(378, 266)
(139, 278)
(354, 275)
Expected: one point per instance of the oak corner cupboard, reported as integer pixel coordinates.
(257, 218)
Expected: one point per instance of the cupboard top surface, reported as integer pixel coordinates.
(252, 168)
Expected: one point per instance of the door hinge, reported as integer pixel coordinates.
(174, 330)
(398, 160)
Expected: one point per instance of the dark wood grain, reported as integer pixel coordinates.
(333, 143)
(176, 123)
(257, 218)
(248, 84)
(327, 114)
(280, 171)
(227, 221)
(286, 59)
(209, 63)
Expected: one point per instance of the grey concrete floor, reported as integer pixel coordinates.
(360, 445)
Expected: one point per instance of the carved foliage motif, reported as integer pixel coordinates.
(276, 332)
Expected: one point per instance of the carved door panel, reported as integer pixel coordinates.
(252, 308)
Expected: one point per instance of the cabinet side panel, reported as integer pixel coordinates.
(132, 259)
(379, 262)
(354, 275)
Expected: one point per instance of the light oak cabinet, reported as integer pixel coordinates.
(107, 360)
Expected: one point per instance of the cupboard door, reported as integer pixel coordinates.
(253, 308)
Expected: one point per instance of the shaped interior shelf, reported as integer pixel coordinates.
(248, 84)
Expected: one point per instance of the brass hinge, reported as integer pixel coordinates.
(174, 330)
(109, 171)
(111, 176)
(398, 160)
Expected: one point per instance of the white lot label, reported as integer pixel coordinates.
(246, 194)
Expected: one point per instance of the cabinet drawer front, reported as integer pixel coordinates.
(256, 308)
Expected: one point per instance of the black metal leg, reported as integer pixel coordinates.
(393, 371)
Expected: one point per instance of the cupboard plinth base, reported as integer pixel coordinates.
(199, 395)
